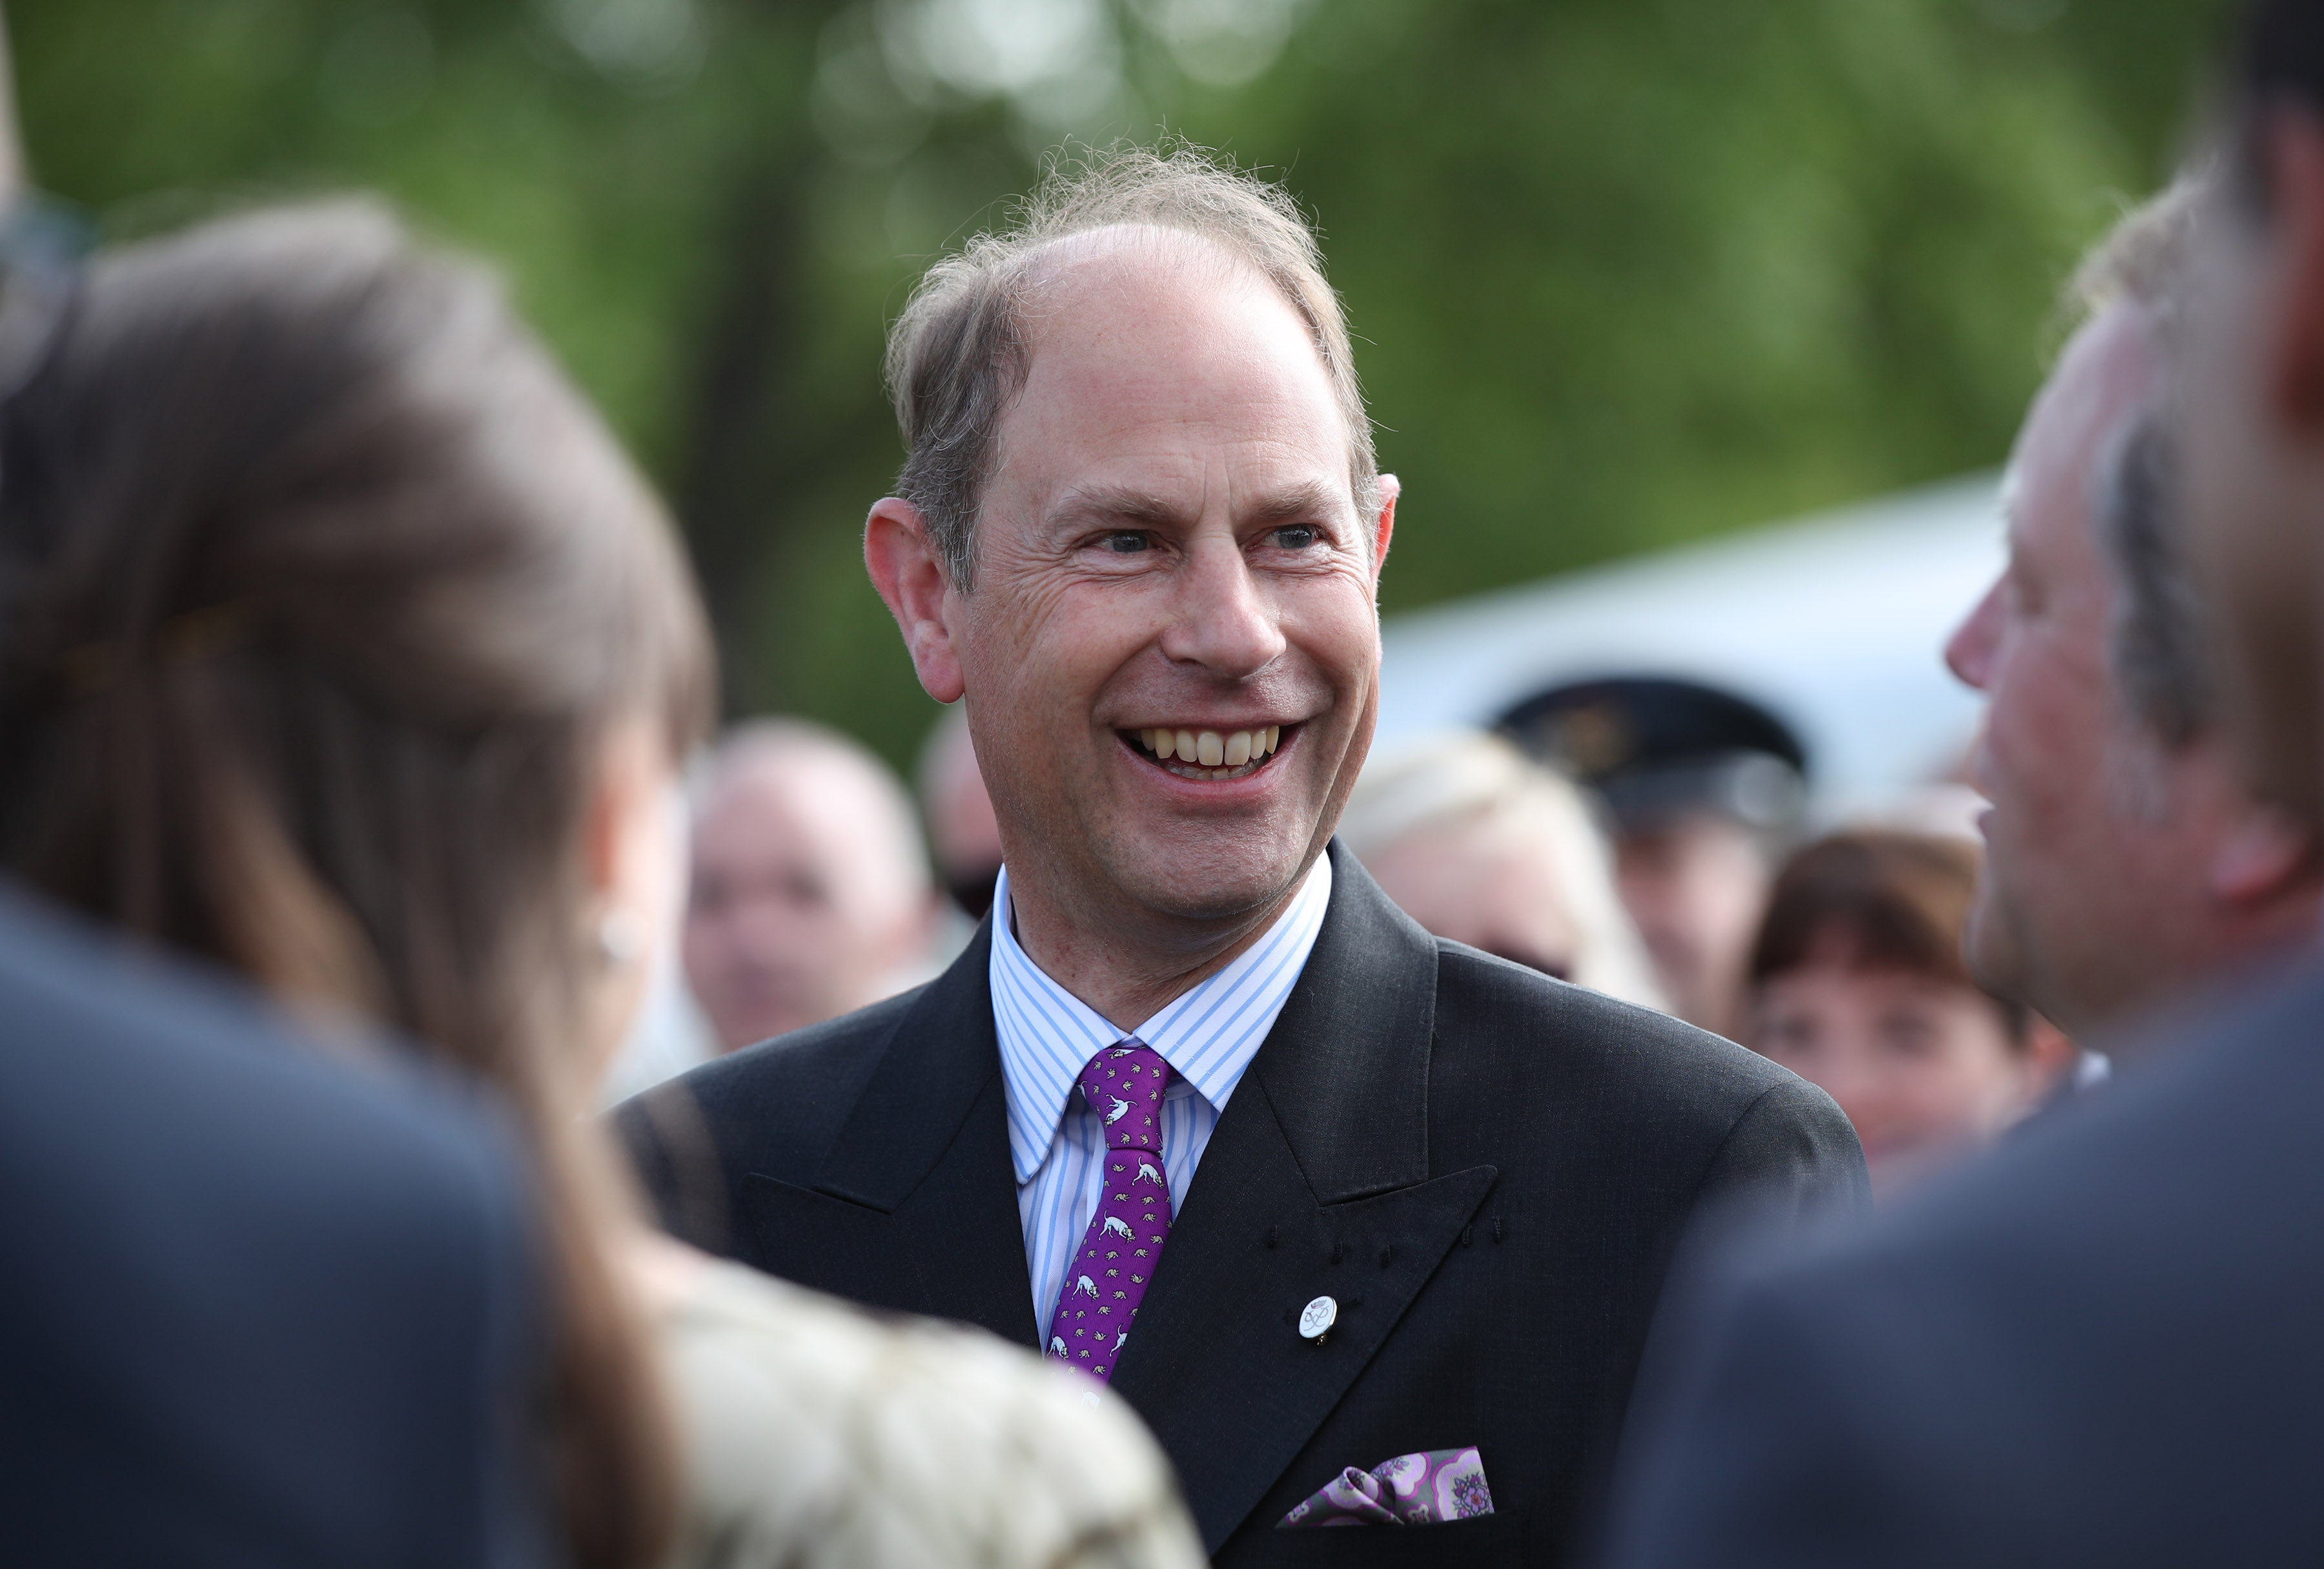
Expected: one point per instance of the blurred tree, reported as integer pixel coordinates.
(1628, 271)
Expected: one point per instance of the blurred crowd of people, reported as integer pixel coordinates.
(353, 688)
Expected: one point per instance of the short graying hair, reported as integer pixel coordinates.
(2157, 650)
(2159, 637)
(960, 351)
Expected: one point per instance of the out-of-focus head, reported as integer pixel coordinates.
(2252, 406)
(1480, 844)
(1857, 985)
(340, 645)
(2125, 861)
(963, 830)
(1139, 512)
(1704, 788)
(810, 895)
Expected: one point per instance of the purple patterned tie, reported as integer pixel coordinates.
(1106, 1279)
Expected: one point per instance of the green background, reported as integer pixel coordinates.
(1624, 272)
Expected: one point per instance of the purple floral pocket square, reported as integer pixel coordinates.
(1412, 1489)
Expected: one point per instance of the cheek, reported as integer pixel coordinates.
(1332, 620)
(1037, 651)
(2041, 726)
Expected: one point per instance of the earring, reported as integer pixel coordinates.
(621, 938)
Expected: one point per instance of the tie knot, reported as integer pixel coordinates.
(1124, 1085)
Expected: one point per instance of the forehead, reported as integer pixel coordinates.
(779, 799)
(2107, 371)
(1155, 358)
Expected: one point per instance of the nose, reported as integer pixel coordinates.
(1222, 621)
(1968, 652)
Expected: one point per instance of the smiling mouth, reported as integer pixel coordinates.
(1206, 754)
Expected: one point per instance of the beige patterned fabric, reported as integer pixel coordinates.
(820, 1437)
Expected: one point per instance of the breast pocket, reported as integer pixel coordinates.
(1486, 1540)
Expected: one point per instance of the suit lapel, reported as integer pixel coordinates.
(1314, 1183)
(914, 1207)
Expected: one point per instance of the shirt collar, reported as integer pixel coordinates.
(1208, 1034)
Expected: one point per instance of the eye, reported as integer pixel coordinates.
(1297, 537)
(1128, 541)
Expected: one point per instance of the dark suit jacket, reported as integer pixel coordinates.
(2103, 1346)
(254, 1309)
(1488, 1169)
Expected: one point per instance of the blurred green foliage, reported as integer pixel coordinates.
(1627, 272)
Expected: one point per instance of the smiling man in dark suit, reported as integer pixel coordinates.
(1199, 1111)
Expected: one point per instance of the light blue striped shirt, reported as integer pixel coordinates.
(1209, 1036)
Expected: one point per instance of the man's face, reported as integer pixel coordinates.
(2063, 869)
(1169, 544)
(793, 917)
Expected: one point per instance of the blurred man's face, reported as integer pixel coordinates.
(1695, 886)
(2254, 417)
(2072, 871)
(791, 919)
(1169, 556)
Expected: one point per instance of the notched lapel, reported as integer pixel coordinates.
(1347, 1062)
(1315, 1183)
(913, 1207)
(1216, 1364)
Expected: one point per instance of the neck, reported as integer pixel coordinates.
(1129, 970)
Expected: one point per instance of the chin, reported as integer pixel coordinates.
(1212, 884)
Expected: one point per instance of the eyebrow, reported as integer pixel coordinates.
(1120, 504)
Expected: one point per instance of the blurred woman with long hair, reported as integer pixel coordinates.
(340, 645)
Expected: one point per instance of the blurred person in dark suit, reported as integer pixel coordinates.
(346, 650)
(962, 828)
(1857, 985)
(2099, 1347)
(809, 893)
(1340, 1208)
(256, 1308)
(1705, 789)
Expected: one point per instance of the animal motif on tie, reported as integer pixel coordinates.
(1116, 1082)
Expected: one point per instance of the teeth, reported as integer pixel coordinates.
(1209, 749)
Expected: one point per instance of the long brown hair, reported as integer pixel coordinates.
(319, 590)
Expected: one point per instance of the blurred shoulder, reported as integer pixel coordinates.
(1496, 1019)
(823, 1434)
(792, 1085)
(136, 1067)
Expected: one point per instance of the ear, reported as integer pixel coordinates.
(626, 788)
(2048, 1055)
(2264, 854)
(1384, 527)
(910, 578)
(2295, 175)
